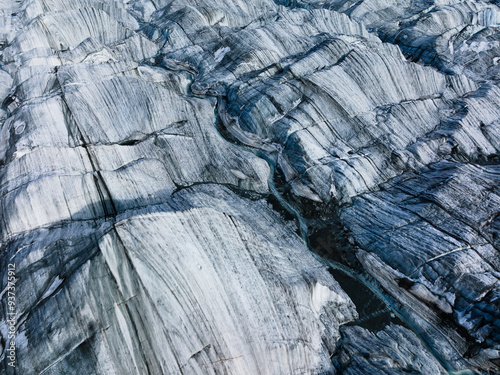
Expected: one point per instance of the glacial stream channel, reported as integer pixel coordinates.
(375, 310)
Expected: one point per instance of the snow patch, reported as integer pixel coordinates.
(55, 284)
(220, 53)
(321, 295)
(478, 47)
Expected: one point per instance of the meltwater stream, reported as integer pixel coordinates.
(350, 281)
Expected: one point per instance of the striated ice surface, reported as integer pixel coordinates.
(166, 168)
